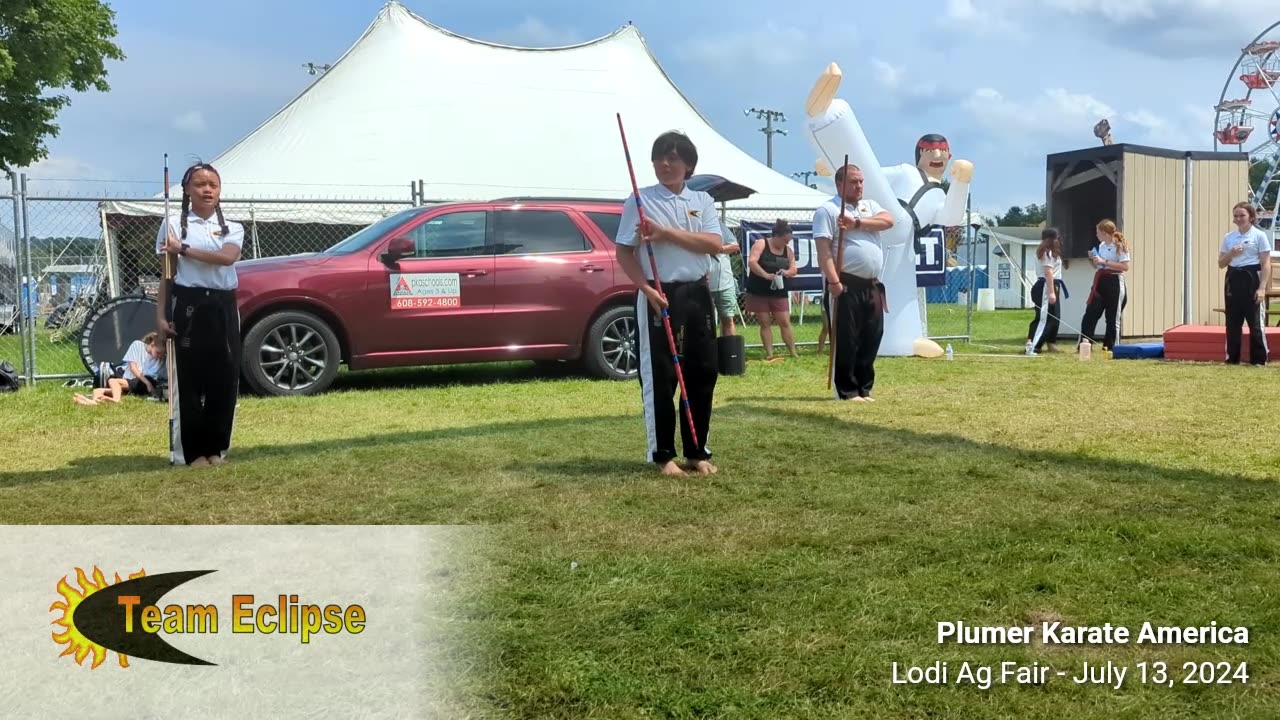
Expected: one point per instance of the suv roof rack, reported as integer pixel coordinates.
(552, 198)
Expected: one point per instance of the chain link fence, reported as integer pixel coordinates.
(66, 254)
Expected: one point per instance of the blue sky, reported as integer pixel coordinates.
(1007, 81)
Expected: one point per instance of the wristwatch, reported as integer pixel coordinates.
(185, 248)
(857, 222)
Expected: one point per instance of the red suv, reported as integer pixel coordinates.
(512, 279)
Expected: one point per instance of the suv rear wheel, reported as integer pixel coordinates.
(291, 353)
(613, 350)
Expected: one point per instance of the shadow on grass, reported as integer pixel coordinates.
(908, 447)
(865, 445)
(464, 375)
(101, 466)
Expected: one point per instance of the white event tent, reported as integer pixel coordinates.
(473, 121)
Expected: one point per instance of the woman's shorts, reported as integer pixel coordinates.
(137, 388)
(767, 304)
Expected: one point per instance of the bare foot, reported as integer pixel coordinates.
(216, 460)
(83, 400)
(702, 467)
(200, 462)
(857, 399)
(868, 398)
(671, 468)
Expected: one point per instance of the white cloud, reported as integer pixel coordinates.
(191, 121)
(1052, 113)
(960, 10)
(61, 167)
(532, 32)
(769, 45)
(888, 75)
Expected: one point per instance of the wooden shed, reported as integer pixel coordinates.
(1173, 206)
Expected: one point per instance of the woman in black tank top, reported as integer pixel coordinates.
(771, 261)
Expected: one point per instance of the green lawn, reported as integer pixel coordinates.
(989, 490)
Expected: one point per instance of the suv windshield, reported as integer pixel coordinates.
(362, 238)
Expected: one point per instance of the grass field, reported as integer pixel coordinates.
(997, 491)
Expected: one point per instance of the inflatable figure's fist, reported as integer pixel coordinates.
(822, 168)
(962, 171)
(824, 91)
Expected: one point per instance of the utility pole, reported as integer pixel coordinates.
(769, 130)
(804, 178)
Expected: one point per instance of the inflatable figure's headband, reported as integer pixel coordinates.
(932, 141)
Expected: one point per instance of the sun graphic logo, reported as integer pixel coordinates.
(76, 642)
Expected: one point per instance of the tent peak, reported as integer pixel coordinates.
(395, 10)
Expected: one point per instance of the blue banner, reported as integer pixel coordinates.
(930, 264)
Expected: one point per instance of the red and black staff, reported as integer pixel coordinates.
(657, 282)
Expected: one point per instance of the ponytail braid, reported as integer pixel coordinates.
(222, 222)
(186, 206)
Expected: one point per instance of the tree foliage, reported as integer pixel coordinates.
(1031, 216)
(47, 46)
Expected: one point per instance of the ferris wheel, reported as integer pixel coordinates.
(1248, 119)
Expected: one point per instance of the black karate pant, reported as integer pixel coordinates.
(692, 313)
(1242, 307)
(1044, 327)
(207, 354)
(858, 324)
(1108, 297)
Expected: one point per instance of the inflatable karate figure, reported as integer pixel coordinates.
(913, 193)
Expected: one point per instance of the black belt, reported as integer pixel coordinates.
(679, 283)
(857, 282)
(207, 292)
(1245, 268)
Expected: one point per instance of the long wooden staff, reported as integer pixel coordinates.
(171, 364)
(831, 311)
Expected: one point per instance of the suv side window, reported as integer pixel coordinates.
(536, 232)
(607, 222)
(459, 234)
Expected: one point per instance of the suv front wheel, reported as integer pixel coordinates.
(613, 350)
(291, 353)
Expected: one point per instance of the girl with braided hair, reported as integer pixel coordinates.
(206, 321)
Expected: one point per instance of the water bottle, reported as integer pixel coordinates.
(1086, 349)
(951, 355)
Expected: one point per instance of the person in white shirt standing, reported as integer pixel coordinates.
(1044, 294)
(206, 320)
(1246, 254)
(854, 293)
(683, 230)
(724, 287)
(1108, 296)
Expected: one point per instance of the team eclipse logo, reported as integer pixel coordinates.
(126, 617)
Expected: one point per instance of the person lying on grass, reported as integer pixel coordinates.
(143, 364)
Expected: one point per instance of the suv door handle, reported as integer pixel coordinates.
(589, 268)
(474, 273)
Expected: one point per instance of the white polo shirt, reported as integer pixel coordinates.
(1111, 252)
(863, 250)
(1051, 262)
(1257, 247)
(721, 276)
(203, 235)
(150, 366)
(690, 210)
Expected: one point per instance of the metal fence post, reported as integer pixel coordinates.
(31, 285)
(19, 276)
(972, 239)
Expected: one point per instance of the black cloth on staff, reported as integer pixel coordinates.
(1107, 297)
(692, 314)
(207, 353)
(1242, 306)
(859, 328)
